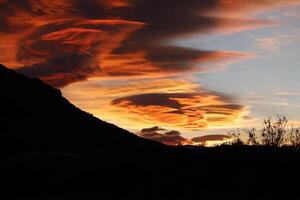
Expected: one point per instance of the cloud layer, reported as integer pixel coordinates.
(164, 136)
(65, 41)
(196, 110)
(70, 43)
(70, 51)
(175, 138)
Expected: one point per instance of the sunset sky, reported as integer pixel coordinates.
(179, 69)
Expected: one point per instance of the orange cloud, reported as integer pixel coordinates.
(244, 4)
(174, 104)
(196, 110)
(239, 8)
(116, 3)
(122, 37)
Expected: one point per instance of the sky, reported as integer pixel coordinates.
(172, 71)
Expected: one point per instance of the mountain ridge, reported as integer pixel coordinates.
(32, 106)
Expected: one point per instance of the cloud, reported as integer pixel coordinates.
(175, 138)
(70, 42)
(69, 51)
(242, 7)
(59, 70)
(164, 136)
(151, 130)
(210, 140)
(276, 42)
(171, 103)
(294, 94)
(272, 43)
(196, 110)
(127, 38)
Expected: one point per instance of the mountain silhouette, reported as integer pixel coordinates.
(51, 149)
(33, 111)
(38, 124)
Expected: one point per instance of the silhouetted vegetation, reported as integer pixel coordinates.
(252, 137)
(274, 133)
(236, 137)
(293, 137)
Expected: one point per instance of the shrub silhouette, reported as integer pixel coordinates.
(273, 133)
(236, 137)
(252, 137)
(293, 137)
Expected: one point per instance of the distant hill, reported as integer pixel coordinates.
(49, 149)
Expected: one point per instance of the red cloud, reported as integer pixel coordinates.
(69, 51)
(122, 37)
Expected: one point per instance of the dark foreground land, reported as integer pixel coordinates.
(52, 150)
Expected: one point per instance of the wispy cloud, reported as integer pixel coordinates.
(273, 43)
(278, 41)
(295, 94)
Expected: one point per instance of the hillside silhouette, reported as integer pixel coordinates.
(50, 149)
(31, 105)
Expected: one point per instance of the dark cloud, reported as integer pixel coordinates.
(164, 136)
(65, 52)
(63, 69)
(10, 9)
(173, 137)
(160, 99)
(167, 21)
(151, 130)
